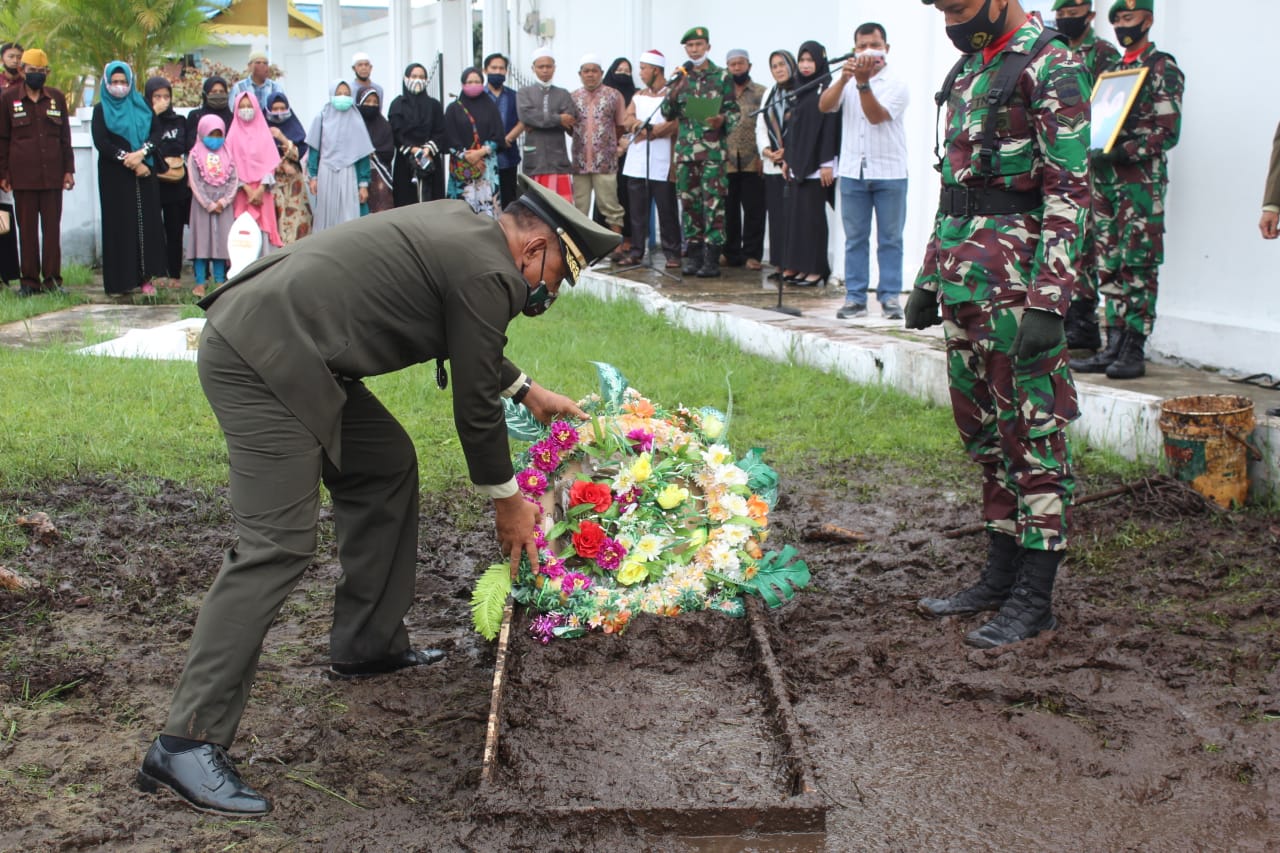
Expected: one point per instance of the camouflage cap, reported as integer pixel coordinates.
(1131, 6)
(1070, 4)
(696, 33)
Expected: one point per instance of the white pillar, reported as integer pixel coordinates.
(496, 28)
(455, 19)
(400, 25)
(640, 36)
(277, 31)
(331, 16)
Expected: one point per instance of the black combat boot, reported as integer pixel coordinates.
(1131, 363)
(991, 590)
(692, 259)
(1082, 325)
(1029, 609)
(710, 262)
(1101, 360)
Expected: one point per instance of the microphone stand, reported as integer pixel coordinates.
(648, 201)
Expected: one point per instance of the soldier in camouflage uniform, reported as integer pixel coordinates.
(1132, 179)
(702, 180)
(998, 273)
(1075, 21)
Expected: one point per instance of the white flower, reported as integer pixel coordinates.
(648, 549)
(730, 475)
(717, 454)
(734, 505)
(733, 534)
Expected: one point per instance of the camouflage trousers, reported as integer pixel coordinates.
(1130, 247)
(1012, 417)
(702, 186)
(1087, 289)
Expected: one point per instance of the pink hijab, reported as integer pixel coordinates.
(250, 144)
(215, 167)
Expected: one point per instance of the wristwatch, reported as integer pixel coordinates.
(862, 87)
(519, 396)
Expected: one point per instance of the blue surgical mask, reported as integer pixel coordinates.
(280, 117)
(342, 103)
(213, 143)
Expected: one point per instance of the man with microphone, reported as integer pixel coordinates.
(700, 98)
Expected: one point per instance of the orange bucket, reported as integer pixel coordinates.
(1206, 443)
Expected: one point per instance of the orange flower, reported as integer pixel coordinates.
(641, 407)
(754, 549)
(757, 509)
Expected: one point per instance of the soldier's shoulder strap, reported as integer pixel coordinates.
(1002, 90)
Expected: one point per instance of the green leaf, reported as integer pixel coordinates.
(779, 577)
(761, 479)
(580, 510)
(569, 632)
(613, 385)
(521, 424)
(557, 531)
(488, 600)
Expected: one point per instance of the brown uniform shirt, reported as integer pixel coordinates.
(35, 139)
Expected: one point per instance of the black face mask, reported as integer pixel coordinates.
(979, 31)
(217, 100)
(742, 79)
(1072, 28)
(1129, 36)
(496, 80)
(540, 297)
(368, 110)
(35, 79)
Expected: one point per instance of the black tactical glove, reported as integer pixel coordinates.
(1039, 332)
(922, 309)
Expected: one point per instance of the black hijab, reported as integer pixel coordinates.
(415, 118)
(379, 128)
(622, 82)
(777, 110)
(483, 111)
(291, 127)
(193, 117)
(811, 136)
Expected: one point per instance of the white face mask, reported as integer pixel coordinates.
(246, 113)
(416, 85)
(119, 90)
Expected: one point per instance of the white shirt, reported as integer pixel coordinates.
(874, 152)
(657, 152)
(762, 136)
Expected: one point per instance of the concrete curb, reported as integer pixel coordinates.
(1124, 422)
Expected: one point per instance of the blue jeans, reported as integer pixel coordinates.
(888, 198)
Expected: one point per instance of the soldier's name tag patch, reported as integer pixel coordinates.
(55, 113)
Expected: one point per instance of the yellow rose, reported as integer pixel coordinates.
(712, 427)
(642, 468)
(672, 496)
(632, 571)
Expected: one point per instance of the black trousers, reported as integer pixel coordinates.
(175, 215)
(9, 268)
(775, 202)
(744, 218)
(663, 194)
(507, 191)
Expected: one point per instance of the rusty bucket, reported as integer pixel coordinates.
(1206, 443)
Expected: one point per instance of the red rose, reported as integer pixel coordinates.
(588, 539)
(587, 492)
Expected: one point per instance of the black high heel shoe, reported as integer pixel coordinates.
(794, 278)
(815, 282)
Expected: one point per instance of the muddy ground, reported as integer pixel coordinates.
(1149, 721)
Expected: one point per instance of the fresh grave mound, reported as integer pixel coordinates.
(676, 714)
(646, 509)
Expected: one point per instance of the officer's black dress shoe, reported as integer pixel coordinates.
(390, 663)
(203, 776)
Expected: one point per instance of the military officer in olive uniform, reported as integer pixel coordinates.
(283, 356)
(1075, 21)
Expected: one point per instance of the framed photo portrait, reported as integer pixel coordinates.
(1113, 97)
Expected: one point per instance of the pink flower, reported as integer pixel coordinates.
(574, 581)
(532, 482)
(545, 456)
(610, 555)
(629, 497)
(564, 436)
(552, 568)
(641, 440)
(539, 537)
(543, 627)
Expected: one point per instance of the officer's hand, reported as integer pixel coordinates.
(1039, 332)
(5, 185)
(68, 181)
(846, 70)
(922, 309)
(515, 519)
(547, 405)
(1269, 225)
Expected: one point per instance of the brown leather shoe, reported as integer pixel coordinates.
(754, 265)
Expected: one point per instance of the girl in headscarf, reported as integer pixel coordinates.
(811, 141)
(382, 163)
(251, 148)
(619, 77)
(293, 207)
(474, 131)
(170, 146)
(133, 249)
(214, 101)
(338, 160)
(770, 126)
(212, 177)
(417, 122)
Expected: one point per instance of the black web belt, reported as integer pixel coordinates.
(987, 201)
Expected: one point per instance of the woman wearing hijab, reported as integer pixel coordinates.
(417, 125)
(133, 249)
(474, 131)
(382, 163)
(770, 126)
(169, 147)
(251, 148)
(338, 160)
(215, 101)
(811, 141)
(289, 192)
(619, 76)
(212, 177)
